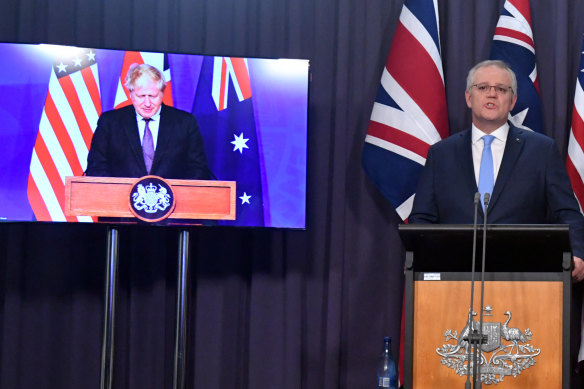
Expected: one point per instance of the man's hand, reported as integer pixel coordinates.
(578, 272)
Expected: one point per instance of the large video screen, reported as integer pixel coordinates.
(251, 113)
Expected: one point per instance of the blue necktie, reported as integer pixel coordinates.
(487, 173)
(148, 146)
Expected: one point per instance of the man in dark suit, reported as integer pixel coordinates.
(147, 137)
(531, 185)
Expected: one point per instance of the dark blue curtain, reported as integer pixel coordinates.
(269, 308)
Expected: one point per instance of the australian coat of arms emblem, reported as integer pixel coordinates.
(505, 353)
(151, 199)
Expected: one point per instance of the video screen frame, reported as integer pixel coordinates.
(263, 147)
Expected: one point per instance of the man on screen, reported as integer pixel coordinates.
(526, 179)
(147, 137)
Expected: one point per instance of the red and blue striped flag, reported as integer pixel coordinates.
(575, 159)
(69, 117)
(410, 112)
(513, 43)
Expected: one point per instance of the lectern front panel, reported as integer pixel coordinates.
(523, 321)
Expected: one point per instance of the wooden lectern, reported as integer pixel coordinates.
(106, 196)
(110, 197)
(527, 294)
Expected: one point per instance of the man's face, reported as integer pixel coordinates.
(146, 97)
(490, 108)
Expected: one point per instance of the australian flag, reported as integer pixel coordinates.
(223, 107)
(513, 43)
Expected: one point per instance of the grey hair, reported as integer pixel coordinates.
(136, 72)
(490, 62)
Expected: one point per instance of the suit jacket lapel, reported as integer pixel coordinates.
(162, 143)
(467, 166)
(130, 127)
(513, 148)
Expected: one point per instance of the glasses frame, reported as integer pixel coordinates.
(500, 90)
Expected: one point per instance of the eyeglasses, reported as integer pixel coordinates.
(500, 90)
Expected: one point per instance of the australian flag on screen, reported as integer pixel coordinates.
(224, 109)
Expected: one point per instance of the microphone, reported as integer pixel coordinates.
(486, 200)
(470, 321)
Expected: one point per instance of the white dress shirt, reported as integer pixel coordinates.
(497, 148)
(154, 125)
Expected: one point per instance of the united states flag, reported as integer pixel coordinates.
(575, 160)
(69, 117)
(409, 113)
(158, 60)
(513, 43)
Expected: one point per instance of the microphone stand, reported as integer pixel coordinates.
(470, 320)
(481, 340)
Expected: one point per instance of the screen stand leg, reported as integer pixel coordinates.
(181, 304)
(107, 349)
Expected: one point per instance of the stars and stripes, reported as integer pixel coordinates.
(69, 117)
(575, 160)
(409, 113)
(513, 43)
(158, 60)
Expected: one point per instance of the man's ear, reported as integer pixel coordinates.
(467, 98)
(513, 102)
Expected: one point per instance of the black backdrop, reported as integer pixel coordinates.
(269, 308)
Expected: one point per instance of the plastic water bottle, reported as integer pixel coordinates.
(386, 372)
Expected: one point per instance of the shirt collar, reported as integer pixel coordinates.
(500, 133)
(155, 117)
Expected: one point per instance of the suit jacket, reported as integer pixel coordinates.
(532, 186)
(116, 150)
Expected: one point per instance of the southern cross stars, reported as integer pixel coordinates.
(519, 118)
(245, 198)
(239, 143)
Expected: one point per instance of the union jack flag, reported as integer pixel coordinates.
(513, 43)
(69, 117)
(158, 60)
(409, 113)
(227, 69)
